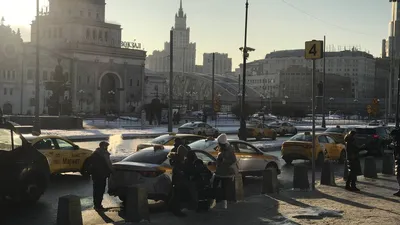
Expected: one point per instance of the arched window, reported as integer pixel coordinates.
(87, 33)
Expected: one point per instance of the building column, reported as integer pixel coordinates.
(96, 93)
(74, 84)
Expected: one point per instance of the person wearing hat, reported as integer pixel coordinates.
(179, 179)
(396, 152)
(100, 167)
(227, 169)
(353, 161)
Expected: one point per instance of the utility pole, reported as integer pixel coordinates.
(323, 90)
(171, 78)
(212, 85)
(36, 124)
(397, 98)
(391, 67)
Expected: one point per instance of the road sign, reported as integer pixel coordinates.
(314, 50)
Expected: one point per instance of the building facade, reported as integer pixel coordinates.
(267, 85)
(102, 72)
(222, 63)
(184, 51)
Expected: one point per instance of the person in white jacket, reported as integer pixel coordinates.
(227, 169)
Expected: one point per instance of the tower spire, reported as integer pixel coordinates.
(180, 13)
(181, 6)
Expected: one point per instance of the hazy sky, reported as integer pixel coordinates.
(218, 25)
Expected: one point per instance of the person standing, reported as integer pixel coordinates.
(100, 167)
(227, 169)
(353, 161)
(396, 152)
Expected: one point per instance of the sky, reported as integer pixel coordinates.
(218, 25)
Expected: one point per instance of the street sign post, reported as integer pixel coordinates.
(313, 51)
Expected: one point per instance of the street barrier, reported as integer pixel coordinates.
(388, 164)
(69, 210)
(270, 181)
(327, 175)
(239, 193)
(300, 177)
(370, 167)
(137, 207)
(346, 170)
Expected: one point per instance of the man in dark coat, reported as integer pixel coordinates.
(396, 141)
(100, 167)
(353, 161)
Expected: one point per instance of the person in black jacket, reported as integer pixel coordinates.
(353, 161)
(100, 168)
(396, 152)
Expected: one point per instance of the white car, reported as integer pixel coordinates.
(199, 128)
(282, 128)
(252, 161)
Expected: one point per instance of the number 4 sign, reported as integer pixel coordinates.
(314, 50)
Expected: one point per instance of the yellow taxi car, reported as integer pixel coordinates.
(259, 131)
(169, 140)
(62, 154)
(338, 133)
(300, 147)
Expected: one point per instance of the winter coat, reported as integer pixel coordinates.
(353, 158)
(100, 165)
(226, 162)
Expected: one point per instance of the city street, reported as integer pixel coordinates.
(45, 212)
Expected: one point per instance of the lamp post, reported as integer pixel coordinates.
(331, 99)
(81, 93)
(36, 124)
(356, 106)
(245, 50)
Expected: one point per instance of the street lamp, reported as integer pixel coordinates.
(36, 124)
(81, 93)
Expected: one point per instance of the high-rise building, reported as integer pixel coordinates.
(222, 63)
(184, 50)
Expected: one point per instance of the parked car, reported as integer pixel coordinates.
(375, 139)
(169, 140)
(338, 133)
(199, 128)
(150, 169)
(283, 128)
(300, 147)
(62, 154)
(259, 131)
(251, 160)
(376, 123)
(24, 171)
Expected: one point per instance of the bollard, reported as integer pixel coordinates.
(388, 164)
(346, 170)
(270, 181)
(69, 210)
(137, 207)
(327, 175)
(239, 193)
(300, 177)
(370, 167)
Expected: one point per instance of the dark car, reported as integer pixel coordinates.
(24, 171)
(375, 139)
(338, 133)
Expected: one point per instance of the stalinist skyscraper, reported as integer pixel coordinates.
(184, 50)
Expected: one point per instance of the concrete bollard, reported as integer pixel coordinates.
(327, 175)
(388, 164)
(370, 167)
(137, 207)
(300, 177)
(69, 210)
(239, 193)
(270, 181)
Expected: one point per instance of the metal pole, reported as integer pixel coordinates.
(323, 90)
(212, 85)
(313, 125)
(36, 124)
(242, 110)
(397, 98)
(171, 77)
(391, 67)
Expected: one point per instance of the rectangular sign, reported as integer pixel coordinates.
(314, 49)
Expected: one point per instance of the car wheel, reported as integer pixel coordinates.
(33, 188)
(320, 159)
(289, 161)
(272, 166)
(342, 158)
(85, 170)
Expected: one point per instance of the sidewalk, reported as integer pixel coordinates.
(375, 204)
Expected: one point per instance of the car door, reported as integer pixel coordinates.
(249, 158)
(325, 146)
(335, 149)
(207, 159)
(200, 128)
(54, 156)
(71, 158)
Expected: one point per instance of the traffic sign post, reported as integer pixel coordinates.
(313, 51)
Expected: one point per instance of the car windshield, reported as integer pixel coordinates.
(5, 140)
(251, 125)
(335, 130)
(202, 144)
(148, 156)
(191, 125)
(162, 140)
(365, 131)
(301, 137)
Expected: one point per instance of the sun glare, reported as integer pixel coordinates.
(19, 12)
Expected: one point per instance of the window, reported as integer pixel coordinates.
(5, 91)
(130, 82)
(106, 36)
(8, 74)
(54, 32)
(60, 32)
(63, 145)
(204, 157)
(203, 144)
(89, 14)
(244, 148)
(330, 140)
(11, 91)
(81, 13)
(44, 144)
(322, 139)
(45, 75)
(87, 33)
(100, 35)
(161, 140)
(148, 156)
(137, 83)
(5, 140)
(88, 79)
(13, 74)
(97, 15)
